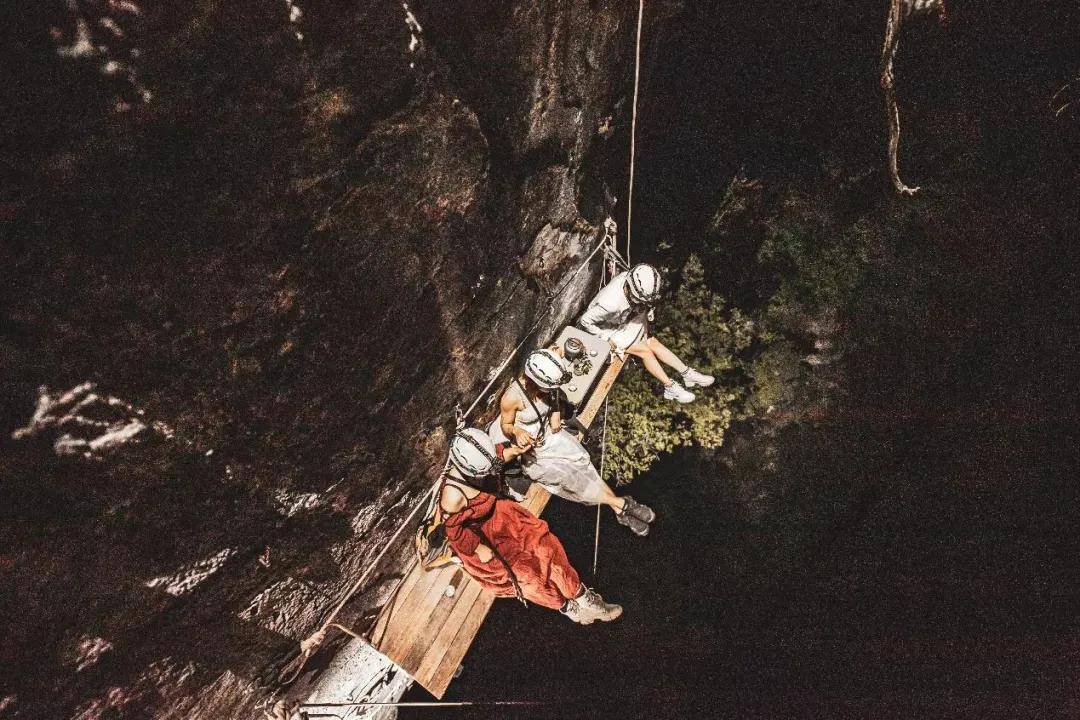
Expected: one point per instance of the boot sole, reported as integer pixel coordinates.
(689, 385)
(590, 621)
(629, 527)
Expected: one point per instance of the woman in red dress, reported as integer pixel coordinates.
(502, 545)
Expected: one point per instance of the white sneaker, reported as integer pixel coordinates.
(678, 393)
(590, 607)
(692, 378)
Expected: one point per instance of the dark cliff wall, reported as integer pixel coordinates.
(282, 240)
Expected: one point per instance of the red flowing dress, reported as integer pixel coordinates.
(537, 558)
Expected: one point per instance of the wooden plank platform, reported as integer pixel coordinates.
(427, 628)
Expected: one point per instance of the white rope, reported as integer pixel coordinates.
(312, 642)
(283, 710)
(603, 452)
(612, 257)
(633, 128)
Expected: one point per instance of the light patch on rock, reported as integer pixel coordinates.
(365, 519)
(93, 424)
(90, 650)
(125, 6)
(285, 607)
(295, 14)
(415, 31)
(290, 503)
(162, 679)
(188, 577)
(81, 46)
(230, 696)
(106, 43)
(109, 24)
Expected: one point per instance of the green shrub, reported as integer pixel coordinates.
(702, 331)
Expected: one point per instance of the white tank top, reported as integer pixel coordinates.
(526, 418)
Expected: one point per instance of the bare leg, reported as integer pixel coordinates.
(648, 359)
(612, 500)
(666, 356)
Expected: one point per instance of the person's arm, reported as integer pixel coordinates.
(555, 421)
(508, 410)
(508, 451)
(452, 500)
(591, 320)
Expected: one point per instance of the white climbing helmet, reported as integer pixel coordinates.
(546, 369)
(643, 284)
(473, 452)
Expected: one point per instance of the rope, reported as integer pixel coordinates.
(309, 645)
(606, 272)
(603, 452)
(289, 711)
(633, 128)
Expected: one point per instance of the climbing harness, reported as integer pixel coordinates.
(474, 526)
(432, 546)
(898, 10)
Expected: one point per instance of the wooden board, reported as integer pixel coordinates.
(426, 629)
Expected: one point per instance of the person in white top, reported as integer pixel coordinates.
(558, 461)
(620, 314)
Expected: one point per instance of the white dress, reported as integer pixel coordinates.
(562, 464)
(610, 317)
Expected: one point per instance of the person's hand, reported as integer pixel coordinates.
(556, 426)
(513, 451)
(484, 554)
(523, 438)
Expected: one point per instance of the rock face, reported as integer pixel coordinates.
(254, 255)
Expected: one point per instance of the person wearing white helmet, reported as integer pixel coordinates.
(507, 549)
(620, 314)
(529, 417)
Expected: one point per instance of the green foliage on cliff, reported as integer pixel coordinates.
(701, 329)
(770, 359)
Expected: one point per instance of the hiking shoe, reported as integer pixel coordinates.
(591, 607)
(692, 378)
(602, 611)
(637, 526)
(641, 512)
(678, 393)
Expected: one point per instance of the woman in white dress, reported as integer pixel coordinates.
(620, 314)
(529, 415)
